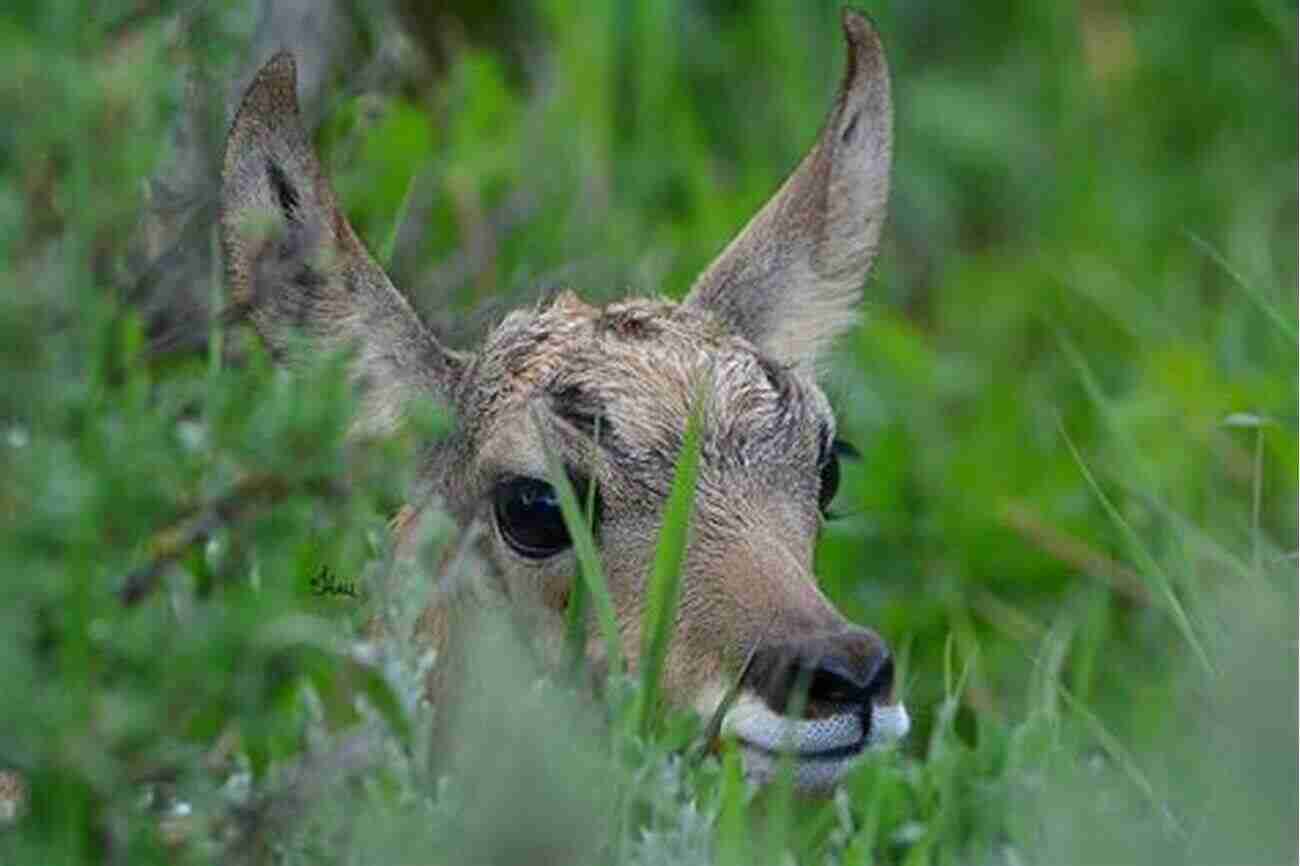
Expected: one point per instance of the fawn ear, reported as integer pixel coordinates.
(791, 280)
(298, 272)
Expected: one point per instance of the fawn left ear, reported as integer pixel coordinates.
(791, 280)
(300, 274)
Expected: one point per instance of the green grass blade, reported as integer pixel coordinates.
(733, 840)
(390, 241)
(1122, 758)
(1151, 570)
(1266, 306)
(584, 547)
(1135, 463)
(576, 620)
(576, 624)
(665, 583)
(779, 795)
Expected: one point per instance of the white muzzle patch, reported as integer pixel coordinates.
(821, 750)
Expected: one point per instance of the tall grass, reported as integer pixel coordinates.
(664, 587)
(591, 573)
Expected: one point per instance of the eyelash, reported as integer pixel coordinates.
(830, 475)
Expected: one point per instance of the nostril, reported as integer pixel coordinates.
(838, 681)
(838, 672)
(881, 687)
(834, 681)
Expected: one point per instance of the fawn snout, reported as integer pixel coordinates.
(848, 671)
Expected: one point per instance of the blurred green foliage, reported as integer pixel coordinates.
(1074, 392)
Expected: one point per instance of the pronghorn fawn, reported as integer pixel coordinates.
(608, 391)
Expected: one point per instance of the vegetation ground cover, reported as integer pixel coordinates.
(1074, 394)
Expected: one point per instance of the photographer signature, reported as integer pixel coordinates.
(327, 583)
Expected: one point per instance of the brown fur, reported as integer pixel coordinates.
(746, 338)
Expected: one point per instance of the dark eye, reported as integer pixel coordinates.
(528, 513)
(529, 516)
(830, 481)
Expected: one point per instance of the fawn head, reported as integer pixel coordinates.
(608, 392)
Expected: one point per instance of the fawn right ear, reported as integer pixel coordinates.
(297, 270)
(792, 279)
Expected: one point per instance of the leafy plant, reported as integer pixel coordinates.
(1074, 515)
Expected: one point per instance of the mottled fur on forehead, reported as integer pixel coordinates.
(634, 369)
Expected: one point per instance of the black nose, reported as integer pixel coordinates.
(843, 671)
